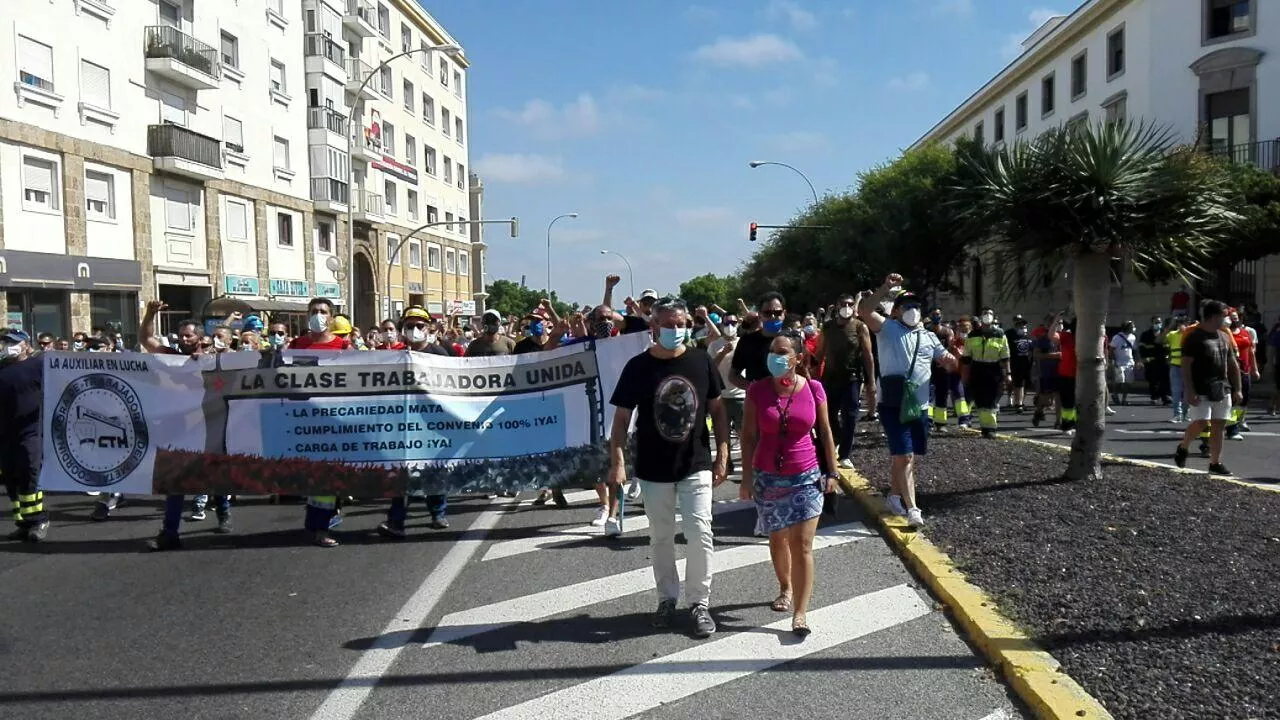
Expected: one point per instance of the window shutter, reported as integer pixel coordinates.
(95, 85)
(35, 58)
(237, 221)
(277, 76)
(232, 132)
(177, 209)
(282, 153)
(37, 175)
(97, 187)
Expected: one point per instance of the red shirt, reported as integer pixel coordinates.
(1244, 348)
(306, 343)
(1067, 346)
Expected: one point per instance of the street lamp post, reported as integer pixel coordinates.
(515, 232)
(630, 275)
(451, 49)
(572, 216)
(758, 163)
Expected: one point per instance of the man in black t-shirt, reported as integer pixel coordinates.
(1021, 346)
(1210, 381)
(671, 389)
(750, 359)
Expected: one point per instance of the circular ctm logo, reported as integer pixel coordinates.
(99, 432)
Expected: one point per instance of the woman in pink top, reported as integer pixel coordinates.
(781, 470)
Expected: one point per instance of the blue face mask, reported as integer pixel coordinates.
(535, 329)
(779, 365)
(672, 338)
(773, 327)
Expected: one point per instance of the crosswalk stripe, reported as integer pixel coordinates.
(998, 715)
(575, 497)
(520, 546)
(539, 605)
(666, 679)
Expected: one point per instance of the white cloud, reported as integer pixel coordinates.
(635, 93)
(790, 12)
(1012, 47)
(741, 102)
(825, 73)
(705, 217)
(914, 81)
(953, 7)
(519, 169)
(579, 117)
(800, 141)
(755, 51)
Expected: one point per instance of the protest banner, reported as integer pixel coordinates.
(368, 424)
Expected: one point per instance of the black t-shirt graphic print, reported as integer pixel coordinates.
(670, 399)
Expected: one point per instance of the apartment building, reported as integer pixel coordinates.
(1207, 69)
(188, 150)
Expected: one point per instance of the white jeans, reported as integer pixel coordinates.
(694, 493)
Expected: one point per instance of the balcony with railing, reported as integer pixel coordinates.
(1264, 154)
(318, 45)
(329, 195)
(323, 118)
(369, 207)
(180, 58)
(183, 151)
(361, 18)
(357, 71)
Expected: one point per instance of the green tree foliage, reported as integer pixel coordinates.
(712, 289)
(511, 298)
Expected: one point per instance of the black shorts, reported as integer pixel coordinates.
(1048, 384)
(1020, 369)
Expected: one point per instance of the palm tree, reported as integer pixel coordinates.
(1084, 198)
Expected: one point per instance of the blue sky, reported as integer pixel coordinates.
(642, 116)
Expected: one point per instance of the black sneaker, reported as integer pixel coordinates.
(391, 532)
(665, 614)
(38, 532)
(100, 513)
(703, 625)
(988, 433)
(1219, 469)
(163, 542)
(438, 522)
(224, 525)
(1037, 418)
(1180, 457)
(18, 534)
(559, 498)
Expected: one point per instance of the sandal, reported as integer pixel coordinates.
(782, 603)
(323, 540)
(800, 626)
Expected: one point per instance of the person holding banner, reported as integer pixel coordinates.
(671, 389)
(419, 332)
(21, 439)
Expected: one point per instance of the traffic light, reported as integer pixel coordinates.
(752, 236)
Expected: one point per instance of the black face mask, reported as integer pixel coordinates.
(602, 328)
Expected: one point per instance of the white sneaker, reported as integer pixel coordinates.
(895, 505)
(601, 517)
(1110, 411)
(1236, 437)
(1069, 433)
(847, 464)
(612, 528)
(915, 518)
(633, 490)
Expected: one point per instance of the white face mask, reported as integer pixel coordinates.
(987, 318)
(13, 350)
(389, 337)
(911, 318)
(431, 338)
(846, 312)
(318, 322)
(218, 344)
(417, 335)
(730, 331)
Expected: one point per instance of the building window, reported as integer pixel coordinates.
(979, 133)
(233, 133)
(281, 153)
(411, 200)
(40, 186)
(410, 150)
(1079, 75)
(179, 213)
(384, 20)
(384, 82)
(1048, 86)
(1117, 110)
(448, 171)
(393, 249)
(170, 14)
(99, 195)
(457, 83)
(428, 110)
(445, 121)
(450, 261)
(464, 263)
(237, 221)
(424, 55)
(433, 215)
(462, 176)
(230, 50)
(1020, 112)
(324, 236)
(997, 129)
(1228, 18)
(408, 96)
(1229, 119)
(444, 72)
(429, 155)
(406, 38)
(35, 63)
(415, 254)
(433, 257)
(95, 85)
(277, 76)
(1115, 53)
(457, 129)
(448, 221)
(388, 138)
(389, 190)
(284, 228)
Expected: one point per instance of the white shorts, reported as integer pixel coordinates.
(1122, 374)
(1208, 410)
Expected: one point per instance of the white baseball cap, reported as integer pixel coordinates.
(650, 293)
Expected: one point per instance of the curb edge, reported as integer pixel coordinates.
(1035, 676)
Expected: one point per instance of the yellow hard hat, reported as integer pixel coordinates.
(340, 326)
(415, 311)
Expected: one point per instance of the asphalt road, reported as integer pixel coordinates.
(515, 612)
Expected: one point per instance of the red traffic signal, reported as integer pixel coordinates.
(752, 236)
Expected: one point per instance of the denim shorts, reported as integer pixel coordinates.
(911, 438)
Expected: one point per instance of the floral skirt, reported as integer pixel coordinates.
(786, 500)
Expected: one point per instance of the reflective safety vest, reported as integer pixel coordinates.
(1174, 340)
(985, 346)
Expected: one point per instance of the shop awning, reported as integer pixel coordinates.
(224, 305)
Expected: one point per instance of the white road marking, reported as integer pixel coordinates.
(666, 679)
(545, 604)
(520, 546)
(998, 715)
(345, 700)
(578, 496)
(1253, 433)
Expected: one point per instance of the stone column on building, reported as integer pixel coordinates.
(260, 246)
(309, 253)
(213, 239)
(140, 186)
(79, 304)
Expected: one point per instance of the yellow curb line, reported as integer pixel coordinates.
(1034, 674)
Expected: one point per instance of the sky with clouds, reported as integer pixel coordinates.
(642, 117)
